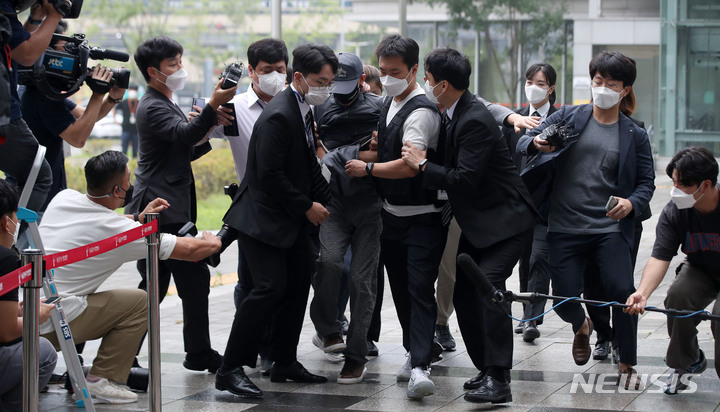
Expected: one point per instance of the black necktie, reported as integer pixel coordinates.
(320, 186)
(310, 129)
(446, 211)
(535, 114)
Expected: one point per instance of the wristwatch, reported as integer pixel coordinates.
(114, 101)
(369, 168)
(421, 164)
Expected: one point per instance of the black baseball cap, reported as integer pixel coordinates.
(350, 68)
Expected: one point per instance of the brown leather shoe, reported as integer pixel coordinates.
(581, 346)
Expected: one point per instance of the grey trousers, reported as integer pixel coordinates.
(446, 275)
(11, 372)
(357, 225)
(693, 289)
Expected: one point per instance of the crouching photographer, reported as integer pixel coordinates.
(55, 119)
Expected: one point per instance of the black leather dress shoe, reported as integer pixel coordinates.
(210, 360)
(490, 390)
(531, 332)
(602, 350)
(295, 372)
(476, 381)
(372, 348)
(235, 381)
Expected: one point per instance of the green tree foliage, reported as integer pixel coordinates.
(527, 23)
(191, 22)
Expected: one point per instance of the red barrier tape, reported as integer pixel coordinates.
(15, 278)
(60, 259)
(20, 276)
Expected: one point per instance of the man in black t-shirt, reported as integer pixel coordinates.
(11, 362)
(691, 220)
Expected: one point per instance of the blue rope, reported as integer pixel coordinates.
(603, 305)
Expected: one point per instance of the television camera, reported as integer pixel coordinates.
(58, 74)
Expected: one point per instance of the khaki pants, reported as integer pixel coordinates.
(446, 275)
(119, 318)
(693, 289)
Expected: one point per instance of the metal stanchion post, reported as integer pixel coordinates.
(152, 242)
(31, 335)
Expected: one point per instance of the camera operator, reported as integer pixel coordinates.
(53, 122)
(168, 145)
(18, 151)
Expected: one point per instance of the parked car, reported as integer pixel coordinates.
(107, 127)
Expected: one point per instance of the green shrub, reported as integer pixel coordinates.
(214, 171)
(96, 146)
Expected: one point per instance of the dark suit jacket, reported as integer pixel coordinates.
(512, 137)
(487, 196)
(636, 174)
(276, 192)
(167, 147)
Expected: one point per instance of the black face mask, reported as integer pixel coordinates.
(347, 99)
(128, 195)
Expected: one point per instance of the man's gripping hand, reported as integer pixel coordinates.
(317, 213)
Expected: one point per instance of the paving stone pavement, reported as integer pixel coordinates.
(542, 375)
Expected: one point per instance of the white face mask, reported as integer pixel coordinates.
(17, 231)
(429, 92)
(316, 95)
(605, 98)
(271, 83)
(175, 81)
(684, 200)
(535, 94)
(394, 86)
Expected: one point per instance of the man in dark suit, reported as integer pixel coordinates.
(168, 144)
(277, 201)
(492, 207)
(606, 156)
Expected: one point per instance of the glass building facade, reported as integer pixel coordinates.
(689, 75)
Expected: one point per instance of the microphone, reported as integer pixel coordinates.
(468, 265)
(98, 53)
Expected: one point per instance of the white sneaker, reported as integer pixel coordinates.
(335, 357)
(403, 374)
(104, 391)
(420, 384)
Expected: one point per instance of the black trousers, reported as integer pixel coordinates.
(411, 248)
(281, 283)
(192, 280)
(600, 315)
(569, 256)
(484, 325)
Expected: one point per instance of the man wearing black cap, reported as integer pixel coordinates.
(345, 124)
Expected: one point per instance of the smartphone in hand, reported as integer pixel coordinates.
(199, 102)
(611, 203)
